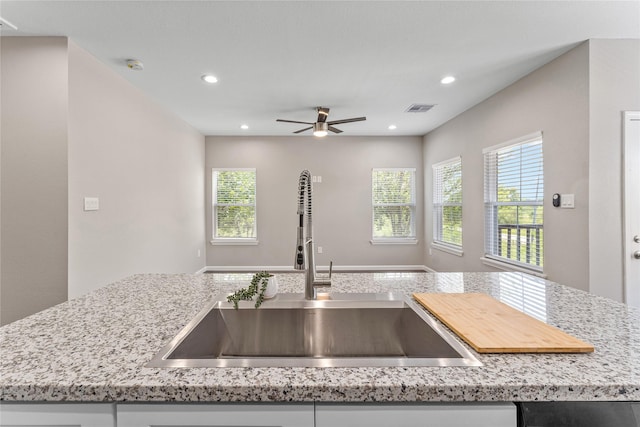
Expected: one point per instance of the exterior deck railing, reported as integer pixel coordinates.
(516, 239)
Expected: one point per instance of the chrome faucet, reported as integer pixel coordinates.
(305, 247)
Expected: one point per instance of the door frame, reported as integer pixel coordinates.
(631, 205)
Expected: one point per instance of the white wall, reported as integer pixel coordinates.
(341, 203)
(147, 168)
(34, 175)
(614, 86)
(554, 100)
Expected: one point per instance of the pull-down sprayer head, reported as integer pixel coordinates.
(304, 183)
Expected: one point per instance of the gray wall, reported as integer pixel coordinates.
(147, 168)
(554, 100)
(72, 128)
(342, 202)
(34, 175)
(614, 86)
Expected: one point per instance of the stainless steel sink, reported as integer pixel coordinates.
(347, 330)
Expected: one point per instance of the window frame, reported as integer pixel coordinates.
(403, 240)
(215, 240)
(491, 204)
(438, 208)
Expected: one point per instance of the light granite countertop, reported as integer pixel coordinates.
(95, 348)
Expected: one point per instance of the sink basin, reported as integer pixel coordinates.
(347, 330)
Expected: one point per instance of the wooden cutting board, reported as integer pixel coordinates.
(490, 326)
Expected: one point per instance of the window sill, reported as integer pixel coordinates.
(448, 249)
(394, 241)
(237, 242)
(511, 267)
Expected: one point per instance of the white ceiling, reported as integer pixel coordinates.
(281, 59)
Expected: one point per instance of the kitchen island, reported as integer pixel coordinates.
(95, 348)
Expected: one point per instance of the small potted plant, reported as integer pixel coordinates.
(263, 285)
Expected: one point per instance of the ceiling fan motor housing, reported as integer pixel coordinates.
(320, 127)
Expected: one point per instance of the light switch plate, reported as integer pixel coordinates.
(91, 203)
(567, 201)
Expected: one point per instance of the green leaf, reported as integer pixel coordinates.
(257, 287)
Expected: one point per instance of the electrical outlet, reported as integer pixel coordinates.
(319, 178)
(319, 249)
(198, 253)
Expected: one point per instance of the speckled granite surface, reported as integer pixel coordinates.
(95, 348)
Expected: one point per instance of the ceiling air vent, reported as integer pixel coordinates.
(419, 108)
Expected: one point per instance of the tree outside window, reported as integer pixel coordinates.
(514, 212)
(394, 204)
(234, 204)
(447, 203)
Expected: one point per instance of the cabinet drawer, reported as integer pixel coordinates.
(58, 414)
(416, 415)
(215, 415)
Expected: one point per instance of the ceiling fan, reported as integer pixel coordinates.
(321, 127)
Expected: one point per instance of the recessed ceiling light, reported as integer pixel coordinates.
(209, 78)
(448, 80)
(392, 127)
(244, 127)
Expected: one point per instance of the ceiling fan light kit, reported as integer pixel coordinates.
(321, 127)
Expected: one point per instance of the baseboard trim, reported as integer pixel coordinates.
(248, 268)
(202, 270)
(289, 269)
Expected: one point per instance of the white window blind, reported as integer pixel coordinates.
(447, 203)
(234, 204)
(513, 195)
(394, 203)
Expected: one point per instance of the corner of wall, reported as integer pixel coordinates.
(34, 174)
(614, 86)
(145, 165)
(552, 99)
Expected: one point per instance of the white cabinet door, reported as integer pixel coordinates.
(57, 414)
(215, 415)
(416, 415)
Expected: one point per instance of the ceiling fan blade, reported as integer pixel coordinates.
(334, 130)
(293, 121)
(302, 130)
(355, 119)
(323, 113)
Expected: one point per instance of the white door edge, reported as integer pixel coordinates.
(631, 208)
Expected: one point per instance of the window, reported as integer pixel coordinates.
(513, 194)
(447, 204)
(394, 205)
(234, 206)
